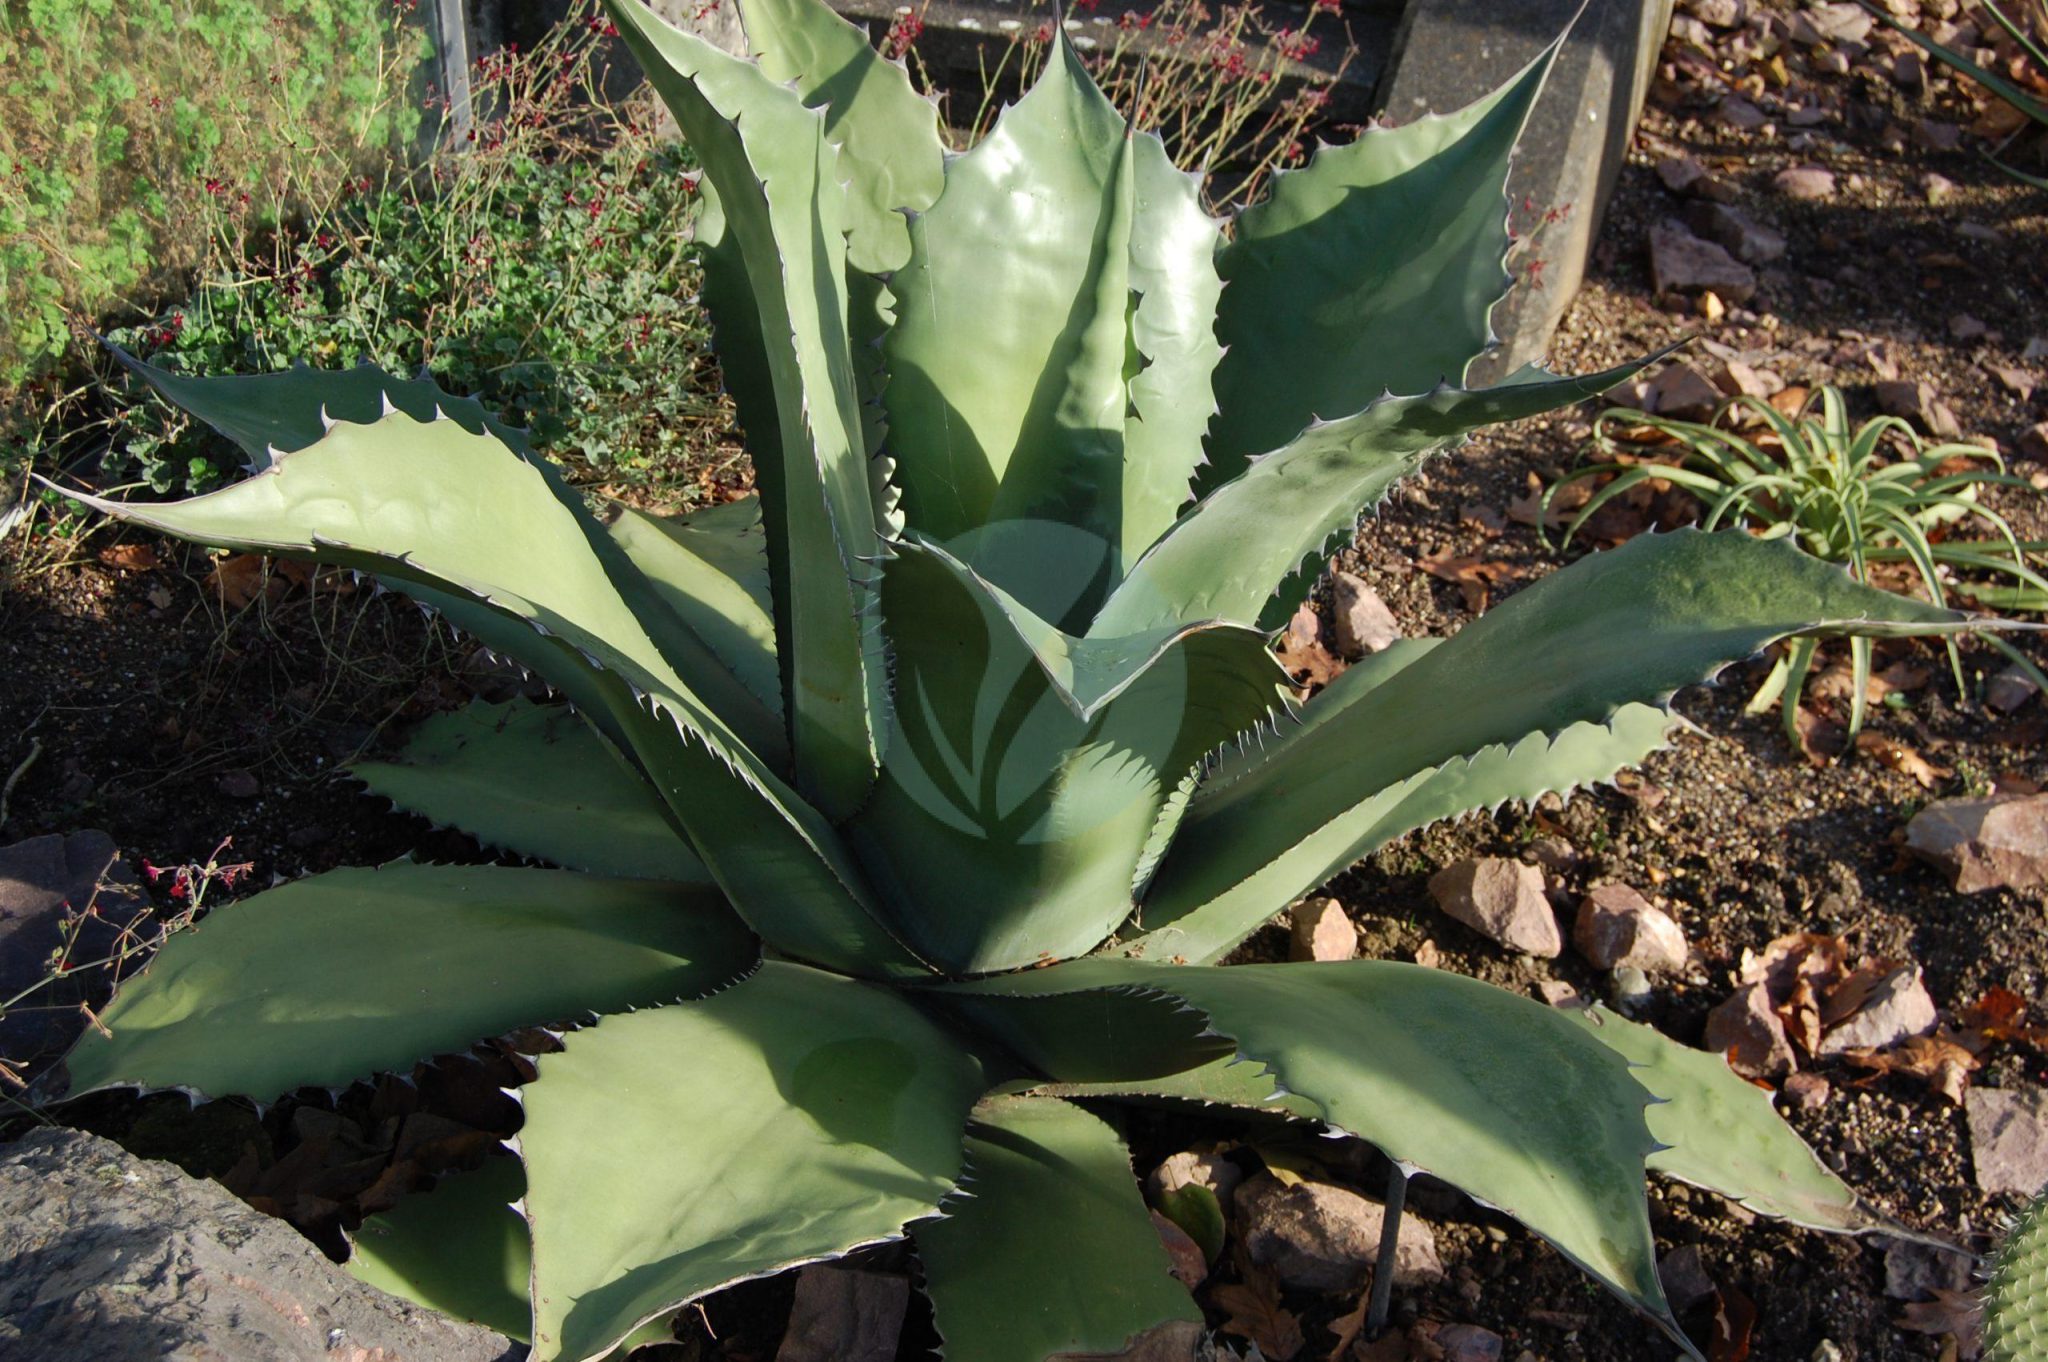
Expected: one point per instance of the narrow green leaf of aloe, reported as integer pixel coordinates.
(1491, 1092)
(1373, 269)
(539, 781)
(670, 1152)
(356, 972)
(1049, 1250)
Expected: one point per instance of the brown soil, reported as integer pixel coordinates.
(158, 712)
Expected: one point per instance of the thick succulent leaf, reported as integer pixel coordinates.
(402, 498)
(728, 298)
(1240, 1084)
(539, 781)
(1013, 358)
(1373, 269)
(1173, 330)
(670, 1152)
(1235, 548)
(748, 131)
(890, 155)
(1723, 1133)
(459, 1248)
(1007, 826)
(1631, 625)
(1492, 1092)
(356, 972)
(1048, 1249)
(1535, 765)
(276, 414)
(712, 571)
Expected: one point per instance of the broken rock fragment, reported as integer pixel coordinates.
(1997, 843)
(1321, 931)
(1917, 403)
(1617, 926)
(1750, 1033)
(1364, 623)
(1736, 231)
(1895, 1008)
(1501, 899)
(1317, 1237)
(2009, 1138)
(1682, 263)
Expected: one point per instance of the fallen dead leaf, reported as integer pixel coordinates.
(1958, 1315)
(1472, 576)
(131, 557)
(1346, 1329)
(1301, 650)
(1484, 519)
(1897, 756)
(1821, 740)
(2001, 1015)
(1256, 1315)
(1734, 1320)
(240, 578)
(1190, 1264)
(1528, 508)
(1942, 1061)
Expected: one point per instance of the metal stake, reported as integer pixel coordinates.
(1390, 1242)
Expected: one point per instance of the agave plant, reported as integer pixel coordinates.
(902, 815)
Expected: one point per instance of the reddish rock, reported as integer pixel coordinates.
(1468, 1343)
(1807, 1092)
(1364, 624)
(1682, 391)
(1682, 263)
(1502, 899)
(1748, 1031)
(1805, 182)
(2033, 443)
(1985, 843)
(1896, 1007)
(2008, 1138)
(1617, 926)
(1916, 402)
(1317, 1237)
(1321, 931)
(1730, 227)
(1685, 1277)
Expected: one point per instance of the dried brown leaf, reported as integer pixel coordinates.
(1472, 576)
(1958, 1315)
(1256, 1315)
(1302, 652)
(131, 557)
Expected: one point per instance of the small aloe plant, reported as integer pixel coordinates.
(904, 814)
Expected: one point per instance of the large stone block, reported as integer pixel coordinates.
(1448, 53)
(105, 1257)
